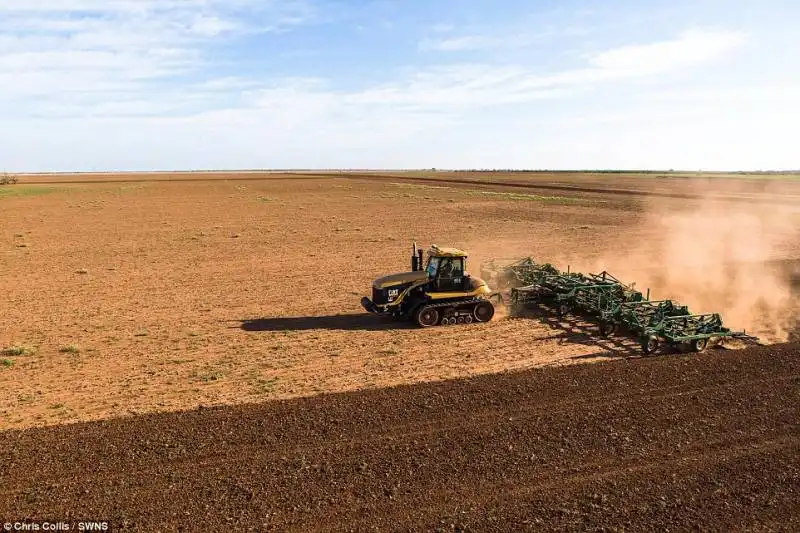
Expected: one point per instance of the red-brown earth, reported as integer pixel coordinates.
(705, 442)
(132, 293)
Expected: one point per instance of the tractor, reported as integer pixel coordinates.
(438, 291)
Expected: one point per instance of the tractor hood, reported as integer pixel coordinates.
(400, 279)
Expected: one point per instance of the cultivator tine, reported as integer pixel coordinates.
(742, 336)
(606, 298)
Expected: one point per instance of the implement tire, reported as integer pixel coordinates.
(607, 329)
(650, 345)
(698, 345)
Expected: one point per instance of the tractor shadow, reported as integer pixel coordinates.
(577, 330)
(360, 322)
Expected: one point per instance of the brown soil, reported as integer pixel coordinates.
(143, 293)
(680, 443)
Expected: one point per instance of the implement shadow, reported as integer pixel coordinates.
(577, 330)
(361, 322)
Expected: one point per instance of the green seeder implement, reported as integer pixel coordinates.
(638, 316)
(614, 304)
(592, 294)
(515, 273)
(696, 330)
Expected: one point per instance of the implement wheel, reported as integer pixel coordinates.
(698, 345)
(650, 345)
(427, 317)
(483, 312)
(607, 329)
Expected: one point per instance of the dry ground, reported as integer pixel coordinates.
(129, 294)
(688, 443)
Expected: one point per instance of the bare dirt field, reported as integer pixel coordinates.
(127, 294)
(682, 443)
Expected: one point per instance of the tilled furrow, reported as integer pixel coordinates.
(694, 441)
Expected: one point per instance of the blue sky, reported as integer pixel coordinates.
(205, 84)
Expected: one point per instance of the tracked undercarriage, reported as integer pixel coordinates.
(449, 313)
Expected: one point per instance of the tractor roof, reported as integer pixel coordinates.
(437, 251)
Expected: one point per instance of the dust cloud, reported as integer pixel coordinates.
(717, 257)
(738, 259)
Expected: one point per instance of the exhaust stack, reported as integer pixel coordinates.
(415, 262)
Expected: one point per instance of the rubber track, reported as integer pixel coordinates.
(456, 304)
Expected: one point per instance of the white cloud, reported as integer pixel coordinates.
(211, 26)
(464, 42)
(71, 54)
(456, 87)
(477, 42)
(83, 89)
(744, 95)
(482, 85)
(95, 56)
(388, 137)
(470, 86)
(691, 48)
(228, 83)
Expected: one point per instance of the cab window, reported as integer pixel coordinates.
(451, 267)
(458, 267)
(433, 267)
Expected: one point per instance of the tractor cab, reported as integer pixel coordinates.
(446, 269)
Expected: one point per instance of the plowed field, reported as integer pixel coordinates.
(127, 294)
(680, 443)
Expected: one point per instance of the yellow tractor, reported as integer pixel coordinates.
(437, 292)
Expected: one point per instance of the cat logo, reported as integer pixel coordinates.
(393, 293)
